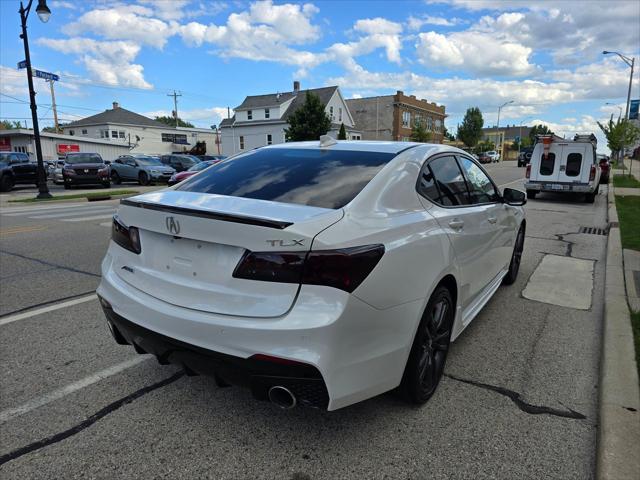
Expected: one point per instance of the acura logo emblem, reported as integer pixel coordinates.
(86, 170)
(173, 226)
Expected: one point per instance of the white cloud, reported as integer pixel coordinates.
(480, 53)
(416, 23)
(13, 82)
(56, 4)
(204, 117)
(377, 33)
(109, 62)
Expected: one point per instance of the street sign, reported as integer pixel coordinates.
(46, 75)
(633, 109)
(68, 148)
(22, 64)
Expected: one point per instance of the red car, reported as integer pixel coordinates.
(180, 176)
(605, 168)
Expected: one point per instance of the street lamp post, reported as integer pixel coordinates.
(520, 142)
(618, 107)
(43, 13)
(498, 125)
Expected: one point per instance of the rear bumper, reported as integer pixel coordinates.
(359, 351)
(560, 187)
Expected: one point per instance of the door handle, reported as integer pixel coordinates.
(456, 224)
(492, 219)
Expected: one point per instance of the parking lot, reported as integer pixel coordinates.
(519, 397)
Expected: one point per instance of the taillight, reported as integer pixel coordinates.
(592, 173)
(528, 173)
(344, 268)
(126, 237)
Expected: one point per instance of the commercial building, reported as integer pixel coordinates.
(141, 134)
(55, 145)
(504, 138)
(262, 119)
(391, 117)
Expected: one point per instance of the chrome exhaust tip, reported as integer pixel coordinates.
(282, 397)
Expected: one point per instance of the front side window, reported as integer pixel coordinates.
(319, 178)
(241, 139)
(480, 187)
(547, 165)
(574, 164)
(451, 186)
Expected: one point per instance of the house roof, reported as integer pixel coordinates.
(324, 93)
(117, 115)
(268, 100)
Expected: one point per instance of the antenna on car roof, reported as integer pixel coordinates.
(327, 141)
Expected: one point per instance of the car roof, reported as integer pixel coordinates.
(352, 145)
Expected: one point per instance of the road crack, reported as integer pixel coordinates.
(49, 264)
(515, 397)
(112, 407)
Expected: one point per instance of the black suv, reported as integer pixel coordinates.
(525, 156)
(15, 167)
(180, 162)
(85, 169)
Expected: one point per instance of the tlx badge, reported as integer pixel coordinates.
(286, 243)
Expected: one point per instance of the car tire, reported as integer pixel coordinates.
(604, 180)
(428, 355)
(516, 257)
(6, 183)
(115, 178)
(590, 197)
(531, 194)
(106, 185)
(143, 178)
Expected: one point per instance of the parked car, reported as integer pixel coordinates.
(562, 166)
(524, 157)
(605, 167)
(493, 155)
(484, 157)
(143, 169)
(181, 162)
(261, 273)
(211, 157)
(177, 177)
(56, 174)
(85, 169)
(16, 168)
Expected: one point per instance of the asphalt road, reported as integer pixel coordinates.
(518, 400)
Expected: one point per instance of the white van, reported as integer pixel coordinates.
(561, 165)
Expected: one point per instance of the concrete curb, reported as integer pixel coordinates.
(619, 396)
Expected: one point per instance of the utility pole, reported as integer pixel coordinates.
(53, 107)
(175, 96)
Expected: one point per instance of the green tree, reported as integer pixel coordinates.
(10, 125)
(309, 121)
(172, 121)
(538, 130)
(448, 135)
(419, 132)
(620, 134)
(523, 143)
(342, 134)
(470, 130)
(485, 146)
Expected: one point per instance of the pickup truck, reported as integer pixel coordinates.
(16, 168)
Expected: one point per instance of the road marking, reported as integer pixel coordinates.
(11, 413)
(23, 229)
(84, 211)
(50, 308)
(106, 224)
(84, 219)
(509, 183)
(12, 212)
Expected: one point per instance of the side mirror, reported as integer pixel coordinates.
(107, 162)
(514, 197)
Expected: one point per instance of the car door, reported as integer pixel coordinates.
(132, 169)
(501, 222)
(176, 163)
(470, 233)
(23, 170)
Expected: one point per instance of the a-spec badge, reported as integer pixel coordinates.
(286, 243)
(173, 226)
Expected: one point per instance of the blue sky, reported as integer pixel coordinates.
(545, 55)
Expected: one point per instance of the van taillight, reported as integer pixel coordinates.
(344, 268)
(528, 173)
(592, 173)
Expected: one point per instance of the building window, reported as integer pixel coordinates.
(438, 125)
(429, 123)
(269, 139)
(267, 113)
(241, 142)
(406, 119)
(72, 132)
(84, 131)
(114, 134)
(174, 138)
(339, 114)
(331, 112)
(121, 134)
(104, 133)
(20, 149)
(249, 114)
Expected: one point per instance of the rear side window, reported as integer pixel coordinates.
(574, 164)
(451, 187)
(314, 177)
(547, 165)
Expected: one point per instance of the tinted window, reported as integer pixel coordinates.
(319, 178)
(148, 161)
(452, 189)
(84, 158)
(481, 189)
(547, 164)
(574, 164)
(427, 185)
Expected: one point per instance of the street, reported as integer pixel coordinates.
(519, 397)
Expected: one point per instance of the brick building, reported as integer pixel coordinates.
(391, 117)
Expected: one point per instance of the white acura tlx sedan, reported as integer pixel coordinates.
(314, 273)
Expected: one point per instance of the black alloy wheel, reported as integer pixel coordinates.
(6, 183)
(143, 178)
(516, 257)
(115, 178)
(430, 347)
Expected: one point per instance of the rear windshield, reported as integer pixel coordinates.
(318, 178)
(84, 158)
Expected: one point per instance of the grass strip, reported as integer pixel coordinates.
(629, 216)
(625, 181)
(111, 193)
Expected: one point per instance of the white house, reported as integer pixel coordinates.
(262, 119)
(141, 134)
